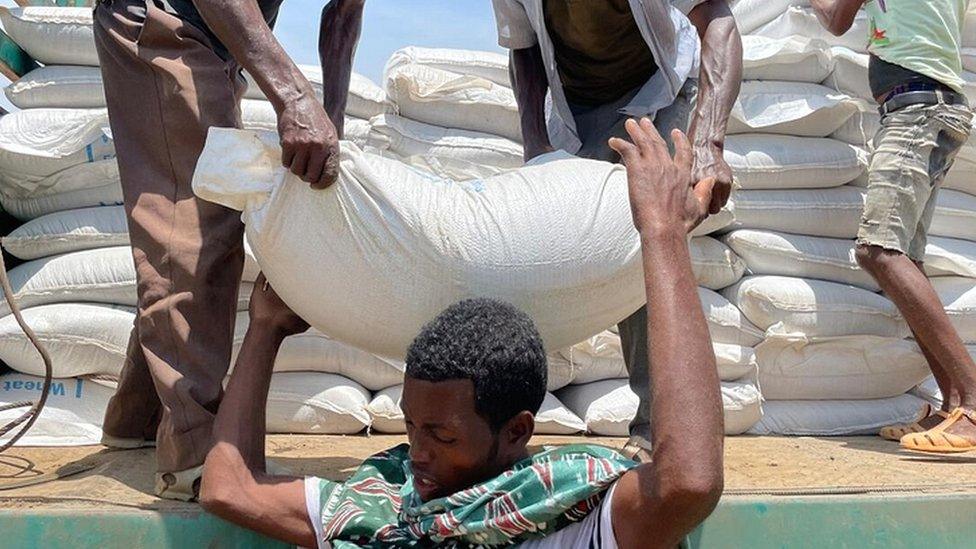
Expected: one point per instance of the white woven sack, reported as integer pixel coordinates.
(72, 416)
(561, 371)
(845, 368)
(969, 59)
(761, 161)
(715, 266)
(314, 351)
(601, 357)
(789, 108)
(69, 231)
(850, 74)
(365, 99)
(447, 152)
(955, 215)
(491, 66)
(553, 417)
(860, 129)
(752, 14)
(53, 35)
(714, 223)
(607, 407)
(950, 256)
(452, 100)
(82, 339)
(962, 175)
(104, 275)
(958, 295)
(836, 417)
(38, 143)
(81, 186)
(791, 59)
(802, 21)
(771, 253)
(833, 213)
(316, 403)
(929, 391)
(58, 86)
(101, 275)
(392, 266)
(815, 308)
(726, 323)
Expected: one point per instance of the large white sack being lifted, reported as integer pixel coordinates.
(372, 259)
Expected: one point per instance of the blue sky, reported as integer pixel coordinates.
(390, 25)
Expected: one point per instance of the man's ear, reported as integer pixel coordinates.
(519, 429)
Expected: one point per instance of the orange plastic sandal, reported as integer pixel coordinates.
(896, 432)
(938, 441)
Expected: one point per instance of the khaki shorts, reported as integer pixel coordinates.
(913, 150)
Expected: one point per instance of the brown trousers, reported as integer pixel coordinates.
(165, 87)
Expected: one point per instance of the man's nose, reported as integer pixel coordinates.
(419, 454)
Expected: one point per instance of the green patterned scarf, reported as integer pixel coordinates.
(377, 506)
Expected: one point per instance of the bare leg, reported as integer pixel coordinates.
(918, 302)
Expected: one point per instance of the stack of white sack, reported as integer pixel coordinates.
(77, 287)
(451, 112)
(835, 359)
(57, 152)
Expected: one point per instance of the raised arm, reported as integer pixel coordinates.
(719, 82)
(658, 503)
(235, 485)
(339, 30)
(310, 147)
(837, 16)
(529, 80)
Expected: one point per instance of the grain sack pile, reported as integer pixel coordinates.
(836, 357)
(77, 281)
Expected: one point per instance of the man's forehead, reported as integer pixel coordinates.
(438, 401)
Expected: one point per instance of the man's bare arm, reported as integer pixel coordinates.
(719, 82)
(837, 16)
(339, 30)
(310, 147)
(235, 485)
(659, 503)
(528, 74)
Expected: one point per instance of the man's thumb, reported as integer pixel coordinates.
(703, 191)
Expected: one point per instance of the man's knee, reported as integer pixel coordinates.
(874, 258)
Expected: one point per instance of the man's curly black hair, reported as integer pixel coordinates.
(492, 343)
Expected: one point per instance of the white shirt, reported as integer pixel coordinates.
(593, 532)
(671, 37)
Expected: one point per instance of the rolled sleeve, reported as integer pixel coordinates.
(515, 31)
(686, 5)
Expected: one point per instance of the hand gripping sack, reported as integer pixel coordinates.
(370, 260)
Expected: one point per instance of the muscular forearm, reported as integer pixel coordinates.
(687, 416)
(530, 83)
(720, 76)
(837, 16)
(240, 25)
(339, 31)
(235, 485)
